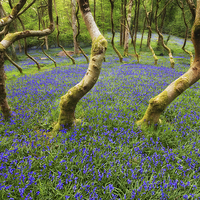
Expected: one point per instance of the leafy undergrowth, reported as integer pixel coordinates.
(107, 157)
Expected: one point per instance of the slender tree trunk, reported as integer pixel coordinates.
(192, 7)
(19, 42)
(161, 36)
(4, 107)
(150, 22)
(159, 103)
(136, 29)
(43, 26)
(143, 32)
(102, 16)
(127, 31)
(74, 27)
(186, 32)
(161, 27)
(133, 29)
(150, 32)
(121, 25)
(71, 98)
(113, 32)
(124, 21)
(94, 10)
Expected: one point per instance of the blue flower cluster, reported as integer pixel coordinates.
(109, 157)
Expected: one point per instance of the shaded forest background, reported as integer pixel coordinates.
(173, 20)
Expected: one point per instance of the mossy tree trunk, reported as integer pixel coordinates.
(159, 103)
(71, 98)
(127, 31)
(4, 107)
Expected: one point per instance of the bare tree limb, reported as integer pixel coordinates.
(14, 63)
(14, 12)
(58, 32)
(192, 7)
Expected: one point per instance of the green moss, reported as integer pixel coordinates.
(11, 36)
(181, 84)
(99, 45)
(160, 102)
(2, 48)
(156, 106)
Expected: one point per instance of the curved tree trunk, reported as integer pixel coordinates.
(192, 7)
(159, 103)
(121, 25)
(150, 22)
(71, 98)
(4, 107)
(113, 32)
(74, 27)
(124, 21)
(150, 32)
(136, 29)
(161, 26)
(127, 31)
(186, 32)
(161, 36)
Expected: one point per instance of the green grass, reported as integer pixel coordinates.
(107, 157)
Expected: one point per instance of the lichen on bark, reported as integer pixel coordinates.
(98, 45)
(156, 106)
(181, 84)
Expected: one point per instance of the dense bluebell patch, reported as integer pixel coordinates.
(109, 157)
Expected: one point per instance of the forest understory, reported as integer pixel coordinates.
(107, 156)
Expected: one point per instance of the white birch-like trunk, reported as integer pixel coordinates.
(99, 45)
(127, 31)
(74, 27)
(159, 103)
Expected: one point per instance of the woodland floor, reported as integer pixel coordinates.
(107, 157)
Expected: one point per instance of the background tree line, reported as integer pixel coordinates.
(170, 21)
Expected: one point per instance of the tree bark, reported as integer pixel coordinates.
(74, 27)
(127, 31)
(121, 25)
(161, 36)
(186, 32)
(143, 32)
(95, 10)
(150, 22)
(113, 32)
(192, 7)
(8, 19)
(159, 103)
(99, 45)
(4, 107)
(149, 35)
(161, 26)
(124, 21)
(136, 29)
